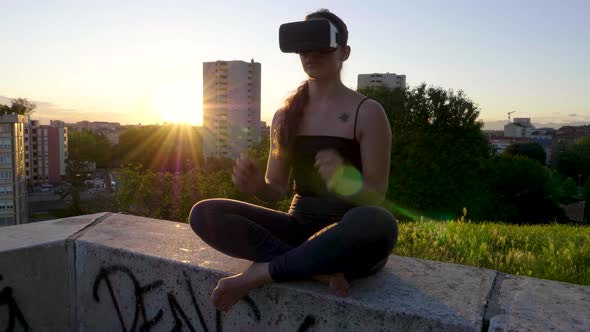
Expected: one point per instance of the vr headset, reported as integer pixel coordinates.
(309, 36)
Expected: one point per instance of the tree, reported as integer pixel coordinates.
(531, 150)
(129, 179)
(76, 171)
(586, 218)
(144, 192)
(20, 106)
(522, 191)
(170, 148)
(576, 160)
(188, 195)
(170, 196)
(438, 151)
(569, 190)
(85, 145)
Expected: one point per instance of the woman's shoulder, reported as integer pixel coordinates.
(358, 98)
(370, 114)
(278, 116)
(366, 104)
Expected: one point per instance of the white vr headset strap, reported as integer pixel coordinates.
(333, 33)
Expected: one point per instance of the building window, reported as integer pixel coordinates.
(5, 190)
(6, 204)
(5, 159)
(6, 221)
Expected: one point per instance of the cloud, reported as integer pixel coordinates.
(573, 115)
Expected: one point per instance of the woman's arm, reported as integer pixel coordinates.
(375, 140)
(276, 180)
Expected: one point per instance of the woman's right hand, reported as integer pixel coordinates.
(246, 175)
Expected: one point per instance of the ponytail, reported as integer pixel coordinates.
(284, 133)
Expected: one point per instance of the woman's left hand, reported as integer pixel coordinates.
(329, 163)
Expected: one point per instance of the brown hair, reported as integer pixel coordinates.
(293, 106)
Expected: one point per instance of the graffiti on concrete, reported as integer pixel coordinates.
(138, 291)
(141, 321)
(14, 313)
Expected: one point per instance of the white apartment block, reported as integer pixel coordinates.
(378, 79)
(231, 107)
(46, 152)
(13, 182)
(519, 127)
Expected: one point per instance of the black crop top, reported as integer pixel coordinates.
(308, 182)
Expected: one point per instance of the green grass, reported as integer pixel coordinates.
(556, 252)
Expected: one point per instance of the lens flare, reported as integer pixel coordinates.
(346, 181)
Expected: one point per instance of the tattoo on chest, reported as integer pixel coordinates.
(343, 117)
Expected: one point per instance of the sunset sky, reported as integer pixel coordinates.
(135, 61)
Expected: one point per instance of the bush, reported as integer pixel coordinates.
(523, 191)
(530, 150)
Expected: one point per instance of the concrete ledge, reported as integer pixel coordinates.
(36, 275)
(117, 272)
(407, 294)
(51, 231)
(522, 303)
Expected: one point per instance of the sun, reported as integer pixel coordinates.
(179, 102)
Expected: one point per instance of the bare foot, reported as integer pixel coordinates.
(231, 289)
(337, 282)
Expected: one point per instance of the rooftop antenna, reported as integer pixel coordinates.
(509, 115)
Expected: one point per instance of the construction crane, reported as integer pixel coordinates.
(509, 115)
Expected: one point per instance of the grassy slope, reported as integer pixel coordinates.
(556, 252)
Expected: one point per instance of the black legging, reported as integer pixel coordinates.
(303, 242)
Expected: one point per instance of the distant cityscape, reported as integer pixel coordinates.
(553, 141)
(35, 156)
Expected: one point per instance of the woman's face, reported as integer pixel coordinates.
(321, 65)
(325, 63)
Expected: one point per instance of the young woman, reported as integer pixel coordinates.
(337, 143)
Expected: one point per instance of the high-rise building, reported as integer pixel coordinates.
(231, 107)
(386, 80)
(46, 152)
(13, 182)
